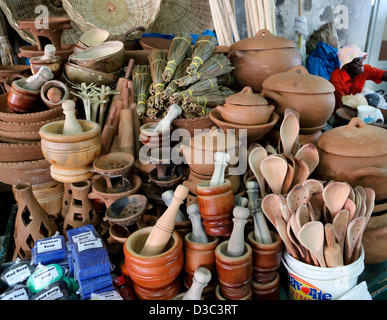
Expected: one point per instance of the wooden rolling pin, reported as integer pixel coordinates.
(162, 230)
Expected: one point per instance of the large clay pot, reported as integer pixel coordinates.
(296, 89)
(154, 277)
(355, 153)
(261, 56)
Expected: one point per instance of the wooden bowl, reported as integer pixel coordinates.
(94, 36)
(78, 74)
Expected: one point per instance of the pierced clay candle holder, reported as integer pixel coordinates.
(71, 155)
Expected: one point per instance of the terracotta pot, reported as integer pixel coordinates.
(154, 277)
(374, 239)
(266, 258)
(234, 273)
(246, 107)
(54, 84)
(216, 204)
(266, 291)
(71, 156)
(199, 154)
(21, 100)
(261, 56)
(296, 89)
(199, 255)
(355, 153)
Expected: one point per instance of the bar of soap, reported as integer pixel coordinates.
(18, 272)
(44, 276)
(17, 292)
(49, 250)
(58, 290)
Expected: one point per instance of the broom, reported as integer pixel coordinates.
(142, 79)
(197, 89)
(157, 62)
(210, 99)
(180, 72)
(202, 51)
(226, 79)
(180, 45)
(217, 65)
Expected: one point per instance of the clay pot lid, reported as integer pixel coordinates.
(298, 80)
(263, 40)
(246, 98)
(356, 139)
(214, 139)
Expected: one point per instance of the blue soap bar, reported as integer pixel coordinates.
(96, 283)
(49, 250)
(82, 233)
(86, 296)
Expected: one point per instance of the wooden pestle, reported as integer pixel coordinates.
(198, 233)
(221, 160)
(240, 201)
(34, 82)
(332, 251)
(167, 198)
(252, 193)
(236, 243)
(54, 94)
(202, 277)
(126, 132)
(162, 230)
(164, 124)
(71, 125)
(49, 52)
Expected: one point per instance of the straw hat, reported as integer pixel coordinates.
(348, 53)
(16, 10)
(182, 16)
(115, 16)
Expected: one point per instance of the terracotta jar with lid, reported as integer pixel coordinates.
(355, 153)
(246, 107)
(296, 89)
(261, 56)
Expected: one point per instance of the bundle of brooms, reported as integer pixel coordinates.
(194, 78)
(142, 80)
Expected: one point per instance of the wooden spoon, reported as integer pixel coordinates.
(270, 149)
(286, 214)
(297, 196)
(317, 203)
(354, 232)
(274, 170)
(255, 158)
(313, 185)
(332, 251)
(311, 236)
(351, 207)
(271, 207)
(289, 131)
(302, 215)
(340, 224)
(335, 195)
(288, 180)
(301, 171)
(282, 231)
(309, 154)
(294, 240)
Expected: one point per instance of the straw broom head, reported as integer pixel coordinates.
(203, 50)
(197, 89)
(180, 72)
(210, 99)
(142, 80)
(157, 62)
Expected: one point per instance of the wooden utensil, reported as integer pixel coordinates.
(335, 195)
(317, 202)
(351, 207)
(309, 154)
(289, 130)
(271, 207)
(255, 158)
(274, 170)
(286, 214)
(297, 196)
(294, 240)
(261, 224)
(302, 215)
(354, 232)
(301, 172)
(313, 185)
(236, 244)
(288, 180)
(311, 236)
(198, 233)
(282, 231)
(332, 251)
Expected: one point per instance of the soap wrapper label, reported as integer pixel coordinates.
(45, 277)
(17, 275)
(84, 236)
(51, 294)
(89, 244)
(19, 294)
(49, 245)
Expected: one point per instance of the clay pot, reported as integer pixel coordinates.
(199, 154)
(199, 255)
(71, 156)
(266, 291)
(375, 239)
(253, 132)
(355, 153)
(261, 56)
(104, 57)
(216, 204)
(311, 96)
(266, 258)
(21, 100)
(246, 107)
(234, 273)
(32, 222)
(54, 84)
(154, 277)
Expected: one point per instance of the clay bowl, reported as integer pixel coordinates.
(118, 233)
(54, 84)
(174, 180)
(32, 51)
(254, 132)
(15, 128)
(127, 210)
(250, 115)
(21, 135)
(22, 151)
(78, 74)
(79, 47)
(34, 172)
(153, 43)
(94, 36)
(105, 57)
(21, 100)
(7, 73)
(114, 164)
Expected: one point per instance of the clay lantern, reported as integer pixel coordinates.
(261, 56)
(311, 96)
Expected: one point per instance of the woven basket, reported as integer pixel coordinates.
(16, 10)
(182, 16)
(115, 16)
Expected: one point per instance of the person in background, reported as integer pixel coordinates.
(352, 74)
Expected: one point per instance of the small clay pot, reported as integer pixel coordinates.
(234, 273)
(216, 204)
(21, 100)
(154, 277)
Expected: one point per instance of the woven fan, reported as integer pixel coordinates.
(16, 10)
(182, 16)
(115, 16)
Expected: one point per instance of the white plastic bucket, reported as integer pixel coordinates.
(308, 282)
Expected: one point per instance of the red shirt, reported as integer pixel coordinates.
(345, 85)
